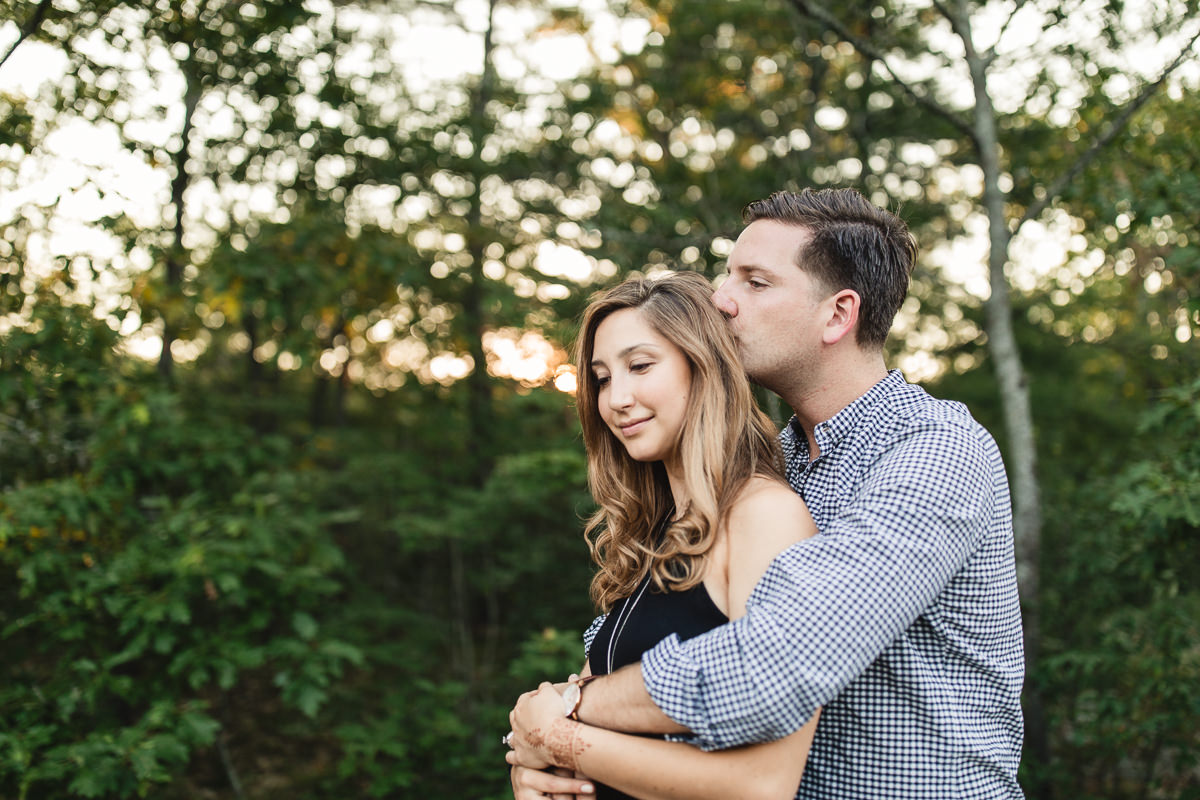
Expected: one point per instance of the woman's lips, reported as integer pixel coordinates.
(630, 428)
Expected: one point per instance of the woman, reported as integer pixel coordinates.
(692, 508)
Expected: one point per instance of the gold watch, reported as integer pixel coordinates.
(573, 695)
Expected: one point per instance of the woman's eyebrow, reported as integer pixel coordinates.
(596, 362)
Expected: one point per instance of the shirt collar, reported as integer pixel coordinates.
(831, 432)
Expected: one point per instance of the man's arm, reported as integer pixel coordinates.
(827, 607)
(620, 702)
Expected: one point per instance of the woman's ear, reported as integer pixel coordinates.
(843, 306)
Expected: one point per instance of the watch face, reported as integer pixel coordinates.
(570, 698)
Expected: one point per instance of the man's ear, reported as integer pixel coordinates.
(843, 307)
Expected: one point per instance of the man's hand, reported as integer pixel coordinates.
(558, 784)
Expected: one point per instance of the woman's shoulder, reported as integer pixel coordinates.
(767, 495)
(766, 518)
(767, 513)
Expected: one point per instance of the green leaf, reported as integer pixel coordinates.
(304, 625)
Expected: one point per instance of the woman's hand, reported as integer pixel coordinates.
(557, 784)
(541, 734)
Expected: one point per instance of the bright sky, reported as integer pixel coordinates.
(83, 172)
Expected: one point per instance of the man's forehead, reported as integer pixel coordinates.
(767, 235)
(767, 249)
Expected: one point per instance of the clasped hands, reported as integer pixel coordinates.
(545, 747)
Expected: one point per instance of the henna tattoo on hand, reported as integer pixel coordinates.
(562, 744)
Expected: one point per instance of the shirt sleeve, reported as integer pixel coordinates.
(589, 635)
(827, 607)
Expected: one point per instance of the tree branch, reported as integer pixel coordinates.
(1104, 139)
(821, 14)
(227, 764)
(30, 28)
(953, 19)
(960, 25)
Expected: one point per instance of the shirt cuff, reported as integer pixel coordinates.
(672, 679)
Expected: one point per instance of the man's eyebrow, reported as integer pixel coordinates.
(752, 268)
(598, 363)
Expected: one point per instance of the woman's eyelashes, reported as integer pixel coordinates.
(637, 368)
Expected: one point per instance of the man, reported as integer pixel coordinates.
(901, 618)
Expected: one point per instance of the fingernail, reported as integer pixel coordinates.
(588, 788)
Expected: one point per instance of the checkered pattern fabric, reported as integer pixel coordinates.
(900, 619)
(590, 634)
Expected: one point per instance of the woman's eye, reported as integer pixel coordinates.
(641, 366)
(601, 382)
(755, 283)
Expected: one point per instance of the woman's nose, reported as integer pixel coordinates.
(619, 394)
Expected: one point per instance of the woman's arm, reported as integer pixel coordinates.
(766, 519)
(653, 769)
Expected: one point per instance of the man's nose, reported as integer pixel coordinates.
(724, 302)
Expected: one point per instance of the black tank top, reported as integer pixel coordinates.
(638, 622)
(645, 618)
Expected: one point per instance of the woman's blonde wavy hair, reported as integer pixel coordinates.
(724, 442)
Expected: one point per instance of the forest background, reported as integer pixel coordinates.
(291, 485)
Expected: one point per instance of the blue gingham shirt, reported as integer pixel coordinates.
(900, 619)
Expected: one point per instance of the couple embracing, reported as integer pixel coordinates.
(830, 613)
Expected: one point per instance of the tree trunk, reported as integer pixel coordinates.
(479, 387)
(1013, 386)
(319, 412)
(479, 421)
(29, 28)
(173, 282)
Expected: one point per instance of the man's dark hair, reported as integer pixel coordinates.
(854, 245)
